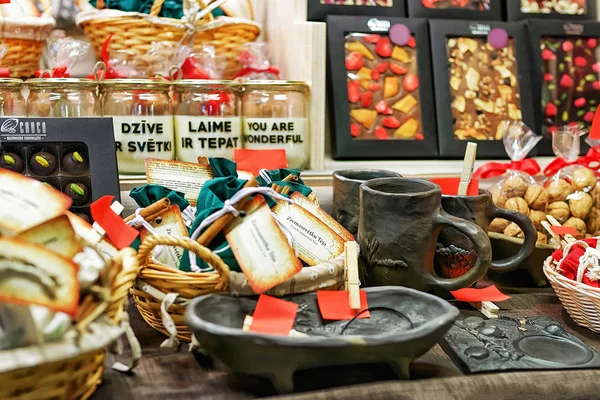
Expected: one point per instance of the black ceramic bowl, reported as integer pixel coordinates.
(386, 336)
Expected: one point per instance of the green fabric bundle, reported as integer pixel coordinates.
(170, 8)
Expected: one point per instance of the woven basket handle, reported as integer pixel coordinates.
(191, 245)
(128, 267)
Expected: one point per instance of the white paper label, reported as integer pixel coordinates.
(206, 137)
(290, 134)
(138, 138)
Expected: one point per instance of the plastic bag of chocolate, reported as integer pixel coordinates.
(255, 59)
(572, 184)
(514, 186)
(63, 52)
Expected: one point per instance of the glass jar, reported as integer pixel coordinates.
(62, 97)
(12, 102)
(142, 121)
(207, 119)
(275, 116)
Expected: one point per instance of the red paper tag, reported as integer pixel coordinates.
(335, 305)
(255, 160)
(595, 128)
(119, 233)
(450, 186)
(273, 316)
(490, 293)
(4, 1)
(564, 230)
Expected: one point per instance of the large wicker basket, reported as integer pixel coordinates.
(76, 377)
(136, 32)
(581, 301)
(25, 39)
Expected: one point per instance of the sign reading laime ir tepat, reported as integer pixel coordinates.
(73, 155)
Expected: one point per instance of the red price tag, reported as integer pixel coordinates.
(450, 186)
(273, 316)
(335, 305)
(595, 128)
(470, 295)
(119, 233)
(255, 160)
(564, 230)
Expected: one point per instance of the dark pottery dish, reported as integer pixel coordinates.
(529, 272)
(414, 323)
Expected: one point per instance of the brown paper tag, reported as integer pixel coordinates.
(25, 202)
(57, 235)
(315, 241)
(260, 247)
(184, 177)
(318, 212)
(170, 223)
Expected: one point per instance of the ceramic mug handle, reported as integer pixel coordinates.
(482, 247)
(511, 263)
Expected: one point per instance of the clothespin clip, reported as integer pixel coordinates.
(352, 281)
(109, 223)
(487, 308)
(117, 208)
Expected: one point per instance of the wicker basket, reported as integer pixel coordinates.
(581, 301)
(76, 377)
(25, 39)
(169, 280)
(136, 32)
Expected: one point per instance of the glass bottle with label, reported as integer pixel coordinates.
(62, 97)
(207, 119)
(12, 102)
(275, 116)
(142, 120)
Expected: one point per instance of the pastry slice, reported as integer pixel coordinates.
(364, 117)
(32, 274)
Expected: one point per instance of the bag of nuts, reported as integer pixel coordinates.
(515, 188)
(573, 187)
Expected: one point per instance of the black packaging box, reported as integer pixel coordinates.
(515, 13)
(416, 8)
(318, 11)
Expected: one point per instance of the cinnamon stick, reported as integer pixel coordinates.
(153, 210)
(290, 178)
(285, 190)
(212, 231)
(276, 188)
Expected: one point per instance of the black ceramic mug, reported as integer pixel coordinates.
(346, 190)
(400, 220)
(455, 252)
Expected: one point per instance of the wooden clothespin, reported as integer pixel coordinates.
(352, 281)
(554, 222)
(487, 308)
(556, 238)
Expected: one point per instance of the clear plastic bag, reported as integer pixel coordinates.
(64, 53)
(573, 195)
(255, 59)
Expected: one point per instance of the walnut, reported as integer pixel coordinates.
(593, 220)
(542, 238)
(559, 210)
(595, 193)
(578, 224)
(559, 190)
(580, 204)
(498, 225)
(498, 196)
(537, 197)
(513, 230)
(514, 186)
(583, 178)
(517, 204)
(537, 217)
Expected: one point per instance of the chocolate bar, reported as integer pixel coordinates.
(456, 9)
(382, 88)
(571, 84)
(572, 7)
(318, 10)
(484, 88)
(480, 5)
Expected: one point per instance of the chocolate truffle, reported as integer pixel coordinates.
(74, 163)
(11, 161)
(43, 163)
(78, 192)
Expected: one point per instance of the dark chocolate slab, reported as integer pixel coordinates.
(561, 9)
(456, 9)
(318, 10)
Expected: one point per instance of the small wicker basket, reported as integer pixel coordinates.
(169, 280)
(79, 376)
(25, 39)
(136, 32)
(581, 301)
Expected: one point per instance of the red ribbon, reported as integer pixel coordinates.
(191, 70)
(248, 71)
(590, 160)
(489, 170)
(110, 72)
(4, 72)
(57, 72)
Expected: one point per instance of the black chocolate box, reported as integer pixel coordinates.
(456, 9)
(544, 9)
(318, 10)
(477, 86)
(566, 66)
(381, 92)
(73, 155)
